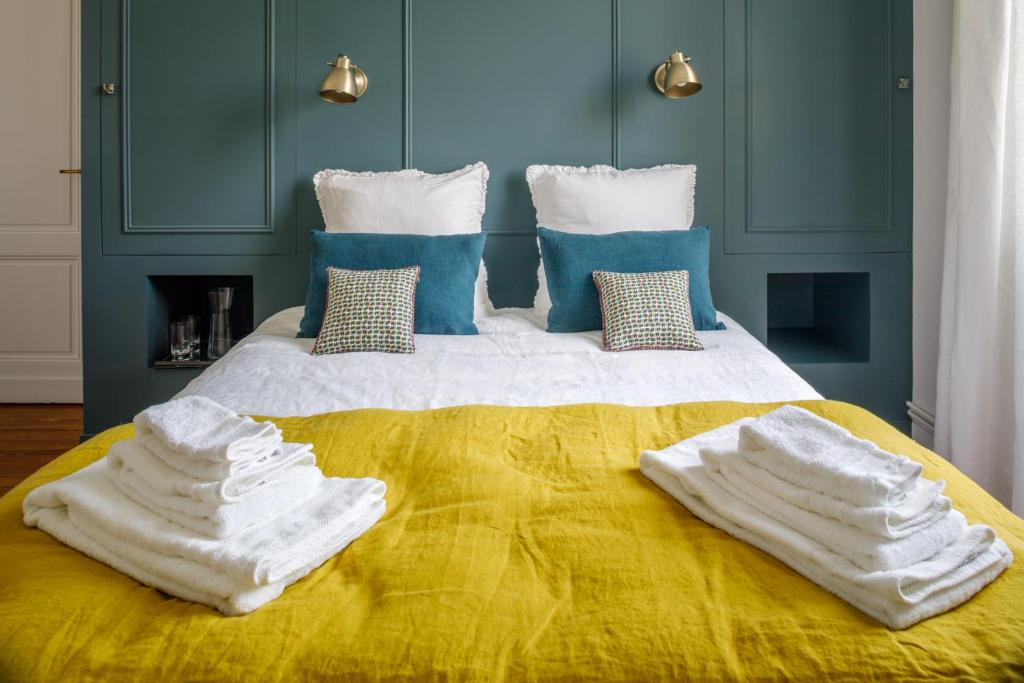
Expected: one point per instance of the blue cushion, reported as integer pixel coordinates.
(449, 265)
(570, 261)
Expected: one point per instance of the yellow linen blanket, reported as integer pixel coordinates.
(519, 543)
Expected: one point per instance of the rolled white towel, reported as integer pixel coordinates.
(897, 598)
(814, 453)
(921, 507)
(870, 552)
(235, 575)
(202, 429)
(215, 519)
(172, 481)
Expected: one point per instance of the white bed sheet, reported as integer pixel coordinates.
(513, 362)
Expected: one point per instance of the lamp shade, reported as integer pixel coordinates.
(676, 78)
(345, 83)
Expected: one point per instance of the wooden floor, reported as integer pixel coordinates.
(32, 435)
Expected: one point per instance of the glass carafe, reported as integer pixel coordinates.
(220, 321)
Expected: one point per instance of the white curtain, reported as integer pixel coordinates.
(980, 405)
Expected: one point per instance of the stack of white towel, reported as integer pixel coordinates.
(208, 506)
(858, 521)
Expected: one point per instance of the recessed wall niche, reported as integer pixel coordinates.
(172, 297)
(820, 317)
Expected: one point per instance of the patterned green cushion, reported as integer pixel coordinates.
(369, 310)
(646, 311)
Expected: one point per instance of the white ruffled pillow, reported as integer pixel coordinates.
(409, 202)
(598, 200)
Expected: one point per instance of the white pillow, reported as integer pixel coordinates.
(598, 200)
(410, 202)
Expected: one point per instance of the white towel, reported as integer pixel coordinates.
(870, 552)
(199, 428)
(921, 507)
(215, 519)
(232, 488)
(235, 575)
(210, 471)
(897, 598)
(814, 453)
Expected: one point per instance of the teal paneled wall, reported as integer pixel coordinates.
(168, 136)
(202, 163)
(198, 148)
(840, 50)
(819, 152)
(512, 83)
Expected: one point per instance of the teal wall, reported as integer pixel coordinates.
(202, 163)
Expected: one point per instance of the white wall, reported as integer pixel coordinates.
(933, 35)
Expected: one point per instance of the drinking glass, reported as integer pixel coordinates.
(192, 328)
(220, 321)
(181, 345)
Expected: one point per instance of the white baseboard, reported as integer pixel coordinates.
(922, 425)
(41, 390)
(921, 417)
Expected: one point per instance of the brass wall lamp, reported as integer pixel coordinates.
(345, 83)
(676, 77)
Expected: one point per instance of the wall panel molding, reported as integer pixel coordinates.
(199, 143)
(55, 301)
(407, 84)
(40, 201)
(752, 224)
(128, 224)
(825, 174)
(616, 85)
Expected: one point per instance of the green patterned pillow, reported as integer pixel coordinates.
(646, 311)
(369, 310)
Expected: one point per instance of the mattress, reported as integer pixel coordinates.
(512, 362)
(518, 544)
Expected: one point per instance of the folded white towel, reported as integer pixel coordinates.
(215, 519)
(897, 598)
(204, 469)
(199, 428)
(235, 575)
(870, 552)
(814, 453)
(921, 507)
(172, 481)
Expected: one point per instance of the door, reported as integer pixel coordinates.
(40, 240)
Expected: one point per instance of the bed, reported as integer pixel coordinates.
(521, 541)
(513, 362)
